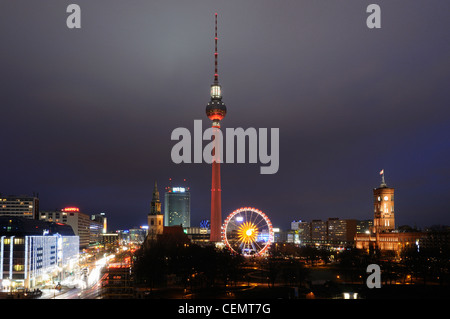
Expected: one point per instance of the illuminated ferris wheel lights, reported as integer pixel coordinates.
(247, 231)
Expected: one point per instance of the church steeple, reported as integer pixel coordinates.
(155, 218)
(155, 206)
(155, 192)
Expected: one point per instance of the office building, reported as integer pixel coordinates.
(437, 239)
(97, 227)
(318, 231)
(304, 232)
(198, 235)
(295, 224)
(341, 231)
(35, 252)
(19, 206)
(177, 207)
(332, 232)
(95, 232)
(110, 239)
(102, 220)
(364, 226)
(72, 216)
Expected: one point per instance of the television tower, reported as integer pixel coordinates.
(216, 111)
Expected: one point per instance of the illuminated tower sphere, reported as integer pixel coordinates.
(216, 111)
(383, 202)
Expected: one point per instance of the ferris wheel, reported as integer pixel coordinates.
(247, 231)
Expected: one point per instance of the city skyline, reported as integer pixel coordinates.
(89, 112)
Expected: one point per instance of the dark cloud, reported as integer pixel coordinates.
(87, 114)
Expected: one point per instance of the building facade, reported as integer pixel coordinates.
(437, 238)
(177, 207)
(383, 235)
(364, 226)
(19, 206)
(318, 231)
(393, 241)
(332, 232)
(80, 223)
(34, 252)
(102, 220)
(341, 231)
(95, 232)
(198, 235)
(304, 232)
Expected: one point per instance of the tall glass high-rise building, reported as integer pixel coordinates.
(177, 207)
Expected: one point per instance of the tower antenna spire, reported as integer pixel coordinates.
(216, 75)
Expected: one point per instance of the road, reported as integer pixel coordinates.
(88, 287)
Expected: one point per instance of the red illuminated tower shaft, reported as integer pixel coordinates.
(216, 111)
(216, 196)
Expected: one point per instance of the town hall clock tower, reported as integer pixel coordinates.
(383, 202)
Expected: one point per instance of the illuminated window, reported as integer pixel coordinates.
(19, 241)
(18, 267)
(215, 91)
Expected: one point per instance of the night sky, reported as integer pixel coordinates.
(87, 114)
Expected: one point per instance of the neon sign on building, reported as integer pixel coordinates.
(70, 209)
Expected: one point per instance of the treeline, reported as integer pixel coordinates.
(187, 265)
(191, 266)
(412, 265)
